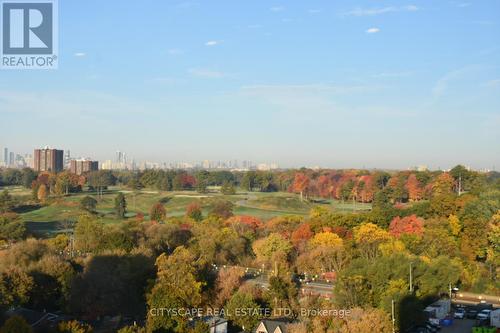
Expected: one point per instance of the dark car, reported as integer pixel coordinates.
(418, 329)
(471, 313)
(434, 326)
(430, 328)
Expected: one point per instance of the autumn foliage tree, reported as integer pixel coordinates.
(42, 193)
(326, 239)
(242, 223)
(301, 235)
(228, 281)
(367, 321)
(272, 248)
(368, 238)
(443, 184)
(157, 212)
(324, 186)
(366, 188)
(326, 253)
(193, 211)
(414, 188)
(16, 324)
(301, 184)
(406, 225)
(176, 286)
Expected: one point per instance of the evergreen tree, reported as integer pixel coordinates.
(120, 206)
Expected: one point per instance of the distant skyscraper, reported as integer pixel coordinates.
(81, 166)
(67, 158)
(48, 160)
(6, 156)
(12, 159)
(119, 157)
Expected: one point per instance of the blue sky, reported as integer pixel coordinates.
(387, 84)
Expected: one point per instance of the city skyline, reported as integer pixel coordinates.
(122, 161)
(341, 84)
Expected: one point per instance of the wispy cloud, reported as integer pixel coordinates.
(213, 42)
(372, 30)
(379, 11)
(392, 74)
(206, 73)
(309, 88)
(303, 97)
(174, 52)
(493, 83)
(483, 22)
(277, 9)
(68, 104)
(314, 11)
(80, 54)
(166, 80)
(441, 86)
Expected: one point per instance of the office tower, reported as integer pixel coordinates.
(47, 159)
(67, 158)
(12, 159)
(81, 166)
(6, 156)
(119, 157)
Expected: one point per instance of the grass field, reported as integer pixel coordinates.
(62, 211)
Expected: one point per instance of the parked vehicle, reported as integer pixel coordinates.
(431, 329)
(459, 313)
(483, 315)
(418, 329)
(435, 326)
(471, 313)
(438, 309)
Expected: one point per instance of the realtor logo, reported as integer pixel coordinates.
(29, 34)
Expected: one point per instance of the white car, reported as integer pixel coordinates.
(459, 313)
(484, 314)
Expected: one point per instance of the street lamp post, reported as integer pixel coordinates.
(411, 277)
(393, 317)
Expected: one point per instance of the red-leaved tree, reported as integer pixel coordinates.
(406, 225)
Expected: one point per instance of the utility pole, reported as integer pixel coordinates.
(459, 184)
(411, 277)
(449, 290)
(72, 245)
(393, 317)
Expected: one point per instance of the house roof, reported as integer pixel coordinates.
(272, 325)
(32, 317)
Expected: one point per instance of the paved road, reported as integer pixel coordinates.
(459, 326)
(321, 288)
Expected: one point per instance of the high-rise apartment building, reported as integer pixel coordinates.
(81, 166)
(67, 158)
(47, 159)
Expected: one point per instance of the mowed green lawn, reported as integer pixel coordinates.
(54, 217)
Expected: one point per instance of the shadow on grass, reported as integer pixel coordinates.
(165, 200)
(320, 201)
(49, 228)
(26, 208)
